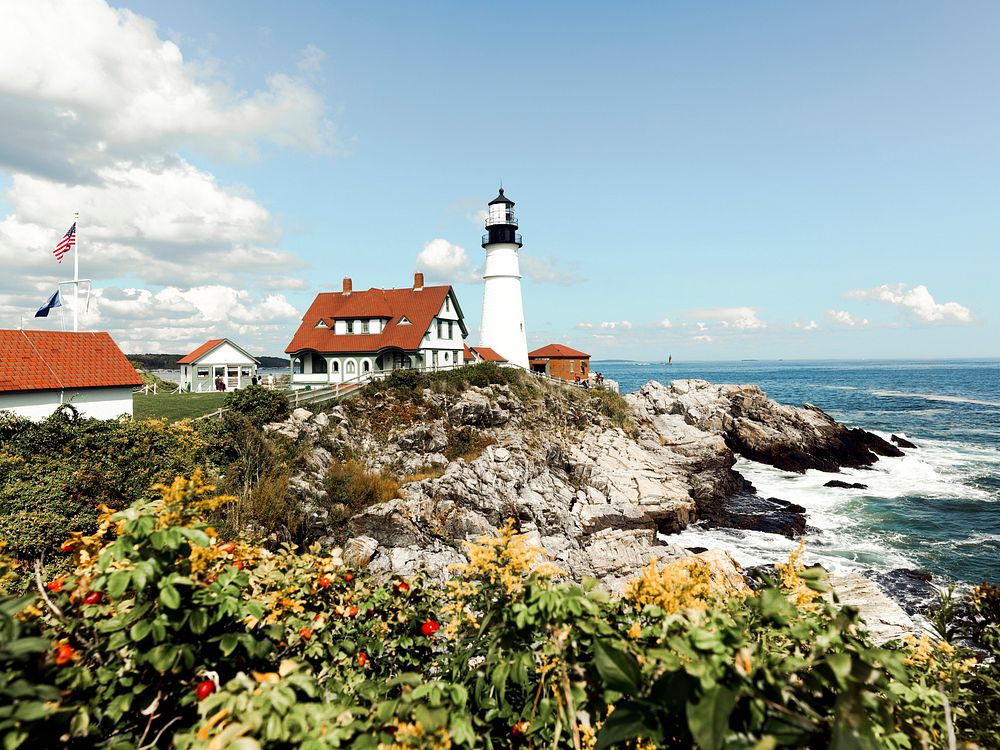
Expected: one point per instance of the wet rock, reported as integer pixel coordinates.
(902, 442)
(913, 590)
(885, 619)
(755, 513)
(846, 485)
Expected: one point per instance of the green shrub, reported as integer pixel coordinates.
(259, 405)
(166, 635)
(467, 443)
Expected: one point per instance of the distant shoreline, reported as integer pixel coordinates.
(169, 361)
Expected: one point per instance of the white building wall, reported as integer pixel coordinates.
(225, 354)
(99, 403)
(503, 312)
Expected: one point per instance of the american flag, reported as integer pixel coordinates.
(66, 243)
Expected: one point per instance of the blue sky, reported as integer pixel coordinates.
(712, 180)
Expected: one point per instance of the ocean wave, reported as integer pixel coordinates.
(936, 397)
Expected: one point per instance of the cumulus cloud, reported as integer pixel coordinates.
(311, 59)
(703, 339)
(812, 325)
(844, 318)
(742, 318)
(444, 262)
(665, 323)
(918, 301)
(104, 86)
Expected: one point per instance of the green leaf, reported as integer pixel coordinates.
(118, 583)
(25, 646)
(619, 670)
(626, 723)
(840, 665)
(228, 643)
(169, 597)
(708, 719)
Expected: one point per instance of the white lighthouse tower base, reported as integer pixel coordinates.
(503, 314)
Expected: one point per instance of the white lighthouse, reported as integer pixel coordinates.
(503, 315)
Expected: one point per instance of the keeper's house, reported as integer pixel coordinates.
(349, 336)
(560, 361)
(40, 370)
(217, 358)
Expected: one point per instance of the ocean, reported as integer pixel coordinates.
(937, 508)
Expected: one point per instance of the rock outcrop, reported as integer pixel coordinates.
(596, 493)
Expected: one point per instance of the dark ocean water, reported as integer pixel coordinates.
(937, 508)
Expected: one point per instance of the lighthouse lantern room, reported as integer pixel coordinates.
(503, 314)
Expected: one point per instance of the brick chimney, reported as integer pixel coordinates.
(347, 285)
(418, 280)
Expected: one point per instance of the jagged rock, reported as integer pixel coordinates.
(845, 485)
(301, 415)
(902, 442)
(885, 619)
(725, 569)
(913, 590)
(755, 513)
(594, 496)
(322, 420)
(359, 551)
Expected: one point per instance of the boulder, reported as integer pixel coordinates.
(845, 485)
(902, 442)
(884, 618)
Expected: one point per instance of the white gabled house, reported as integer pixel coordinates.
(40, 370)
(349, 336)
(217, 358)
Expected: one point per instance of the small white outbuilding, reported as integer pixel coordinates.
(41, 370)
(215, 359)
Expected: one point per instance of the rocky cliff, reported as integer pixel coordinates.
(592, 477)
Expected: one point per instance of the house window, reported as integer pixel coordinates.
(245, 372)
(440, 329)
(318, 364)
(364, 326)
(366, 366)
(447, 304)
(350, 326)
(427, 336)
(571, 365)
(336, 365)
(446, 356)
(450, 324)
(202, 372)
(350, 368)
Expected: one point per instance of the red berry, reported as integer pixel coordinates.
(94, 597)
(68, 546)
(520, 728)
(210, 579)
(348, 577)
(323, 582)
(228, 547)
(205, 689)
(238, 565)
(306, 633)
(64, 655)
(55, 584)
(430, 627)
(362, 659)
(352, 612)
(402, 586)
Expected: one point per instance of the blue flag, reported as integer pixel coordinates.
(43, 311)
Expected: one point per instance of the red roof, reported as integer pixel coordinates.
(418, 307)
(469, 356)
(488, 354)
(200, 351)
(42, 360)
(557, 351)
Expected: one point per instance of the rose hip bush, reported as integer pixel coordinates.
(163, 634)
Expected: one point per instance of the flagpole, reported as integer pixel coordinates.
(76, 275)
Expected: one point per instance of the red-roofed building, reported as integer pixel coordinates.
(202, 369)
(474, 354)
(560, 361)
(39, 370)
(347, 335)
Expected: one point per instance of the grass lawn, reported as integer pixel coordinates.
(176, 406)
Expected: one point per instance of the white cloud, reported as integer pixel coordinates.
(703, 339)
(812, 325)
(918, 301)
(607, 325)
(83, 84)
(846, 319)
(742, 318)
(445, 262)
(665, 323)
(311, 59)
